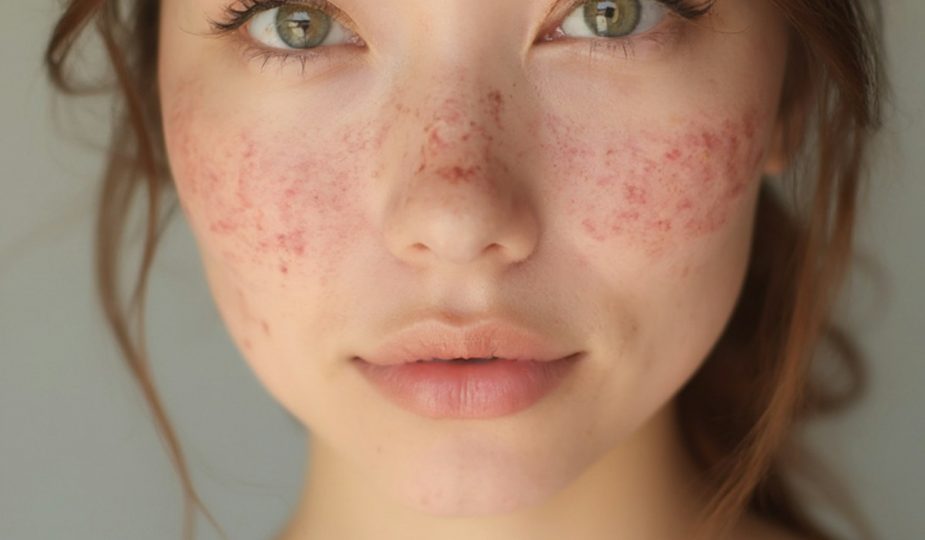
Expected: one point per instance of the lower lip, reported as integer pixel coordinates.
(457, 390)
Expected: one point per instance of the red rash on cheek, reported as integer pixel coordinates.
(653, 186)
(271, 199)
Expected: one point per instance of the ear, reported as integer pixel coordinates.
(777, 157)
(793, 114)
(789, 131)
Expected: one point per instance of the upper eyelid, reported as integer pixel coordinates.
(235, 18)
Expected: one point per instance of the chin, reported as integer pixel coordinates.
(471, 481)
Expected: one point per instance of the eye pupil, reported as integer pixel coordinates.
(612, 18)
(302, 28)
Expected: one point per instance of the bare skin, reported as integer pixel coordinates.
(333, 194)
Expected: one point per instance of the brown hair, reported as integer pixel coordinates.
(738, 413)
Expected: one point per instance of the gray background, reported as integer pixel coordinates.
(79, 456)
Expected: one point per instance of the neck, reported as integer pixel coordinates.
(645, 487)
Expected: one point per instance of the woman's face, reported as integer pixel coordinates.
(443, 161)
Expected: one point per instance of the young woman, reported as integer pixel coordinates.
(523, 269)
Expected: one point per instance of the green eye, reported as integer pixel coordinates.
(296, 26)
(612, 18)
(301, 27)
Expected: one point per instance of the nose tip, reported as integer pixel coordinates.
(460, 202)
(460, 222)
(465, 240)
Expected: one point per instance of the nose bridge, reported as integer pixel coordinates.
(453, 192)
(457, 134)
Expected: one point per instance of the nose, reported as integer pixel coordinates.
(458, 196)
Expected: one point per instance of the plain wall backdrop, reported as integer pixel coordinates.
(80, 458)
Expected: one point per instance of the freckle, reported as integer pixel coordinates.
(248, 147)
(435, 139)
(591, 229)
(457, 174)
(635, 194)
(710, 140)
(750, 126)
(629, 216)
(223, 226)
(735, 189)
(496, 104)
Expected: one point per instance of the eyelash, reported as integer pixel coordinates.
(236, 17)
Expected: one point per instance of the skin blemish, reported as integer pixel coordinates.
(283, 196)
(654, 187)
(457, 174)
(451, 134)
(495, 106)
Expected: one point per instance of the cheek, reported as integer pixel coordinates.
(262, 200)
(653, 188)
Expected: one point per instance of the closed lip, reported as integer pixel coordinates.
(499, 338)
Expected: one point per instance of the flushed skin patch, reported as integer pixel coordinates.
(654, 188)
(605, 202)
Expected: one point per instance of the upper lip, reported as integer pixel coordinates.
(498, 338)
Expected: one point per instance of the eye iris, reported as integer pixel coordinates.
(612, 18)
(301, 27)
